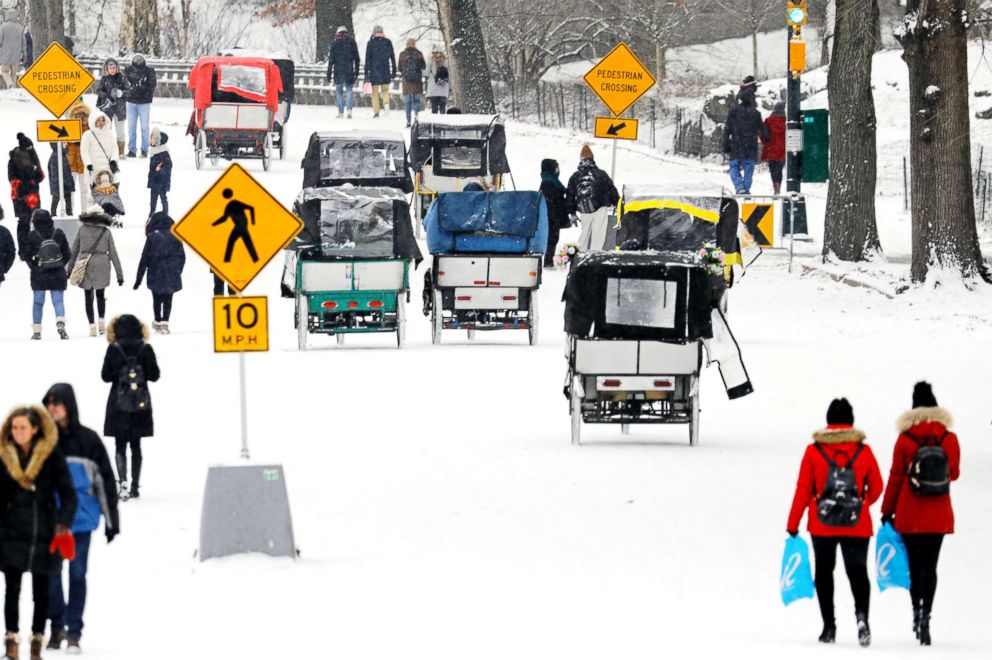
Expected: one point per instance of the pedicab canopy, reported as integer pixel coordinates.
(235, 80)
(287, 68)
(361, 158)
(356, 223)
(680, 219)
(510, 222)
(657, 296)
(459, 145)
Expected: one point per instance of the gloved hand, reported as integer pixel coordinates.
(887, 520)
(792, 533)
(64, 543)
(89, 168)
(114, 169)
(117, 93)
(120, 282)
(573, 219)
(111, 533)
(136, 285)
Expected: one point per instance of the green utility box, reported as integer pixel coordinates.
(816, 145)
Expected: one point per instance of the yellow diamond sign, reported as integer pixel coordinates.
(619, 79)
(237, 227)
(56, 79)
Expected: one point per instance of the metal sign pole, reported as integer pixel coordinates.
(244, 403)
(61, 189)
(613, 165)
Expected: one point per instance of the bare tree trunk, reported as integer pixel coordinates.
(468, 66)
(754, 51)
(70, 12)
(139, 27)
(850, 230)
(660, 68)
(46, 23)
(945, 235)
(330, 15)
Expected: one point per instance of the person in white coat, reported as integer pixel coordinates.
(11, 49)
(438, 85)
(98, 148)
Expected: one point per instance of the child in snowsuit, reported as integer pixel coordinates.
(159, 171)
(68, 184)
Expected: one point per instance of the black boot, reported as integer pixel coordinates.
(916, 620)
(924, 628)
(135, 474)
(829, 633)
(864, 632)
(121, 460)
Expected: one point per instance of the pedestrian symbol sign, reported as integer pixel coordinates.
(56, 79)
(619, 79)
(237, 227)
(241, 324)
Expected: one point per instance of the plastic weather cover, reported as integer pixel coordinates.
(647, 303)
(248, 81)
(482, 222)
(460, 145)
(723, 349)
(374, 159)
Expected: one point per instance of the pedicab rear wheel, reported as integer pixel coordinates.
(200, 149)
(575, 404)
(437, 318)
(693, 411)
(533, 319)
(302, 321)
(267, 152)
(400, 320)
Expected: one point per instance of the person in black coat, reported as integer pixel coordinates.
(740, 137)
(159, 171)
(380, 68)
(554, 198)
(127, 336)
(111, 98)
(47, 274)
(68, 183)
(37, 504)
(590, 194)
(8, 251)
(25, 175)
(342, 67)
(141, 82)
(163, 258)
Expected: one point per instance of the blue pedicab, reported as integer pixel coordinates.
(487, 253)
(353, 264)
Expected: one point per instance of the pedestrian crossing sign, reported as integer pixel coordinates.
(237, 226)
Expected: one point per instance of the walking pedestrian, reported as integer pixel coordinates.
(25, 175)
(438, 84)
(163, 258)
(68, 185)
(28, 47)
(740, 137)
(98, 147)
(81, 112)
(342, 67)
(380, 68)
(412, 65)
(554, 198)
(8, 250)
(11, 49)
(46, 252)
(926, 458)
(129, 365)
(111, 98)
(591, 194)
(93, 252)
(141, 84)
(93, 479)
(773, 146)
(159, 171)
(838, 468)
(38, 505)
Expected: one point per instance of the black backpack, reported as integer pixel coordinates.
(49, 255)
(840, 503)
(929, 473)
(131, 393)
(412, 68)
(441, 75)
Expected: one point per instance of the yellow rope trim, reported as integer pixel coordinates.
(694, 211)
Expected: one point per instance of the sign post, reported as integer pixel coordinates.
(795, 215)
(619, 79)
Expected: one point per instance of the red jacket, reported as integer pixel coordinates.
(774, 146)
(839, 443)
(920, 514)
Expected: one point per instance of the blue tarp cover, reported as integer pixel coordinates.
(513, 222)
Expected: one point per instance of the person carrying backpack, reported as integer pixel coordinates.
(838, 480)
(412, 67)
(917, 499)
(46, 252)
(129, 365)
(25, 176)
(590, 195)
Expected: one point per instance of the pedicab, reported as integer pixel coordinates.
(287, 71)
(448, 152)
(235, 101)
(353, 266)
(487, 252)
(639, 319)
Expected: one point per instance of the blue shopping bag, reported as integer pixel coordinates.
(891, 561)
(796, 580)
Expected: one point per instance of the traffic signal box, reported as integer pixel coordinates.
(816, 145)
(796, 13)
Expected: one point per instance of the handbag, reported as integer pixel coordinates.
(891, 560)
(79, 268)
(367, 89)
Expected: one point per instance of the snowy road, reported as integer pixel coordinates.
(440, 509)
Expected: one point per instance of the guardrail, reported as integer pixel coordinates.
(309, 83)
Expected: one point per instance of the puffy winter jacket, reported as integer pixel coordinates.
(742, 130)
(7, 252)
(95, 240)
(127, 335)
(163, 257)
(380, 61)
(921, 514)
(141, 82)
(840, 444)
(773, 146)
(46, 279)
(25, 175)
(160, 165)
(590, 188)
(68, 182)
(99, 146)
(111, 93)
(343, 62)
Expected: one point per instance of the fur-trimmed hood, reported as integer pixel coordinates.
(10, 457)
(126, 327)
(911, 418)
(840, 435)
(95, 215)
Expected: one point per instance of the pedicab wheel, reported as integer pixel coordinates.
(267, 152)
(340, 338)
(437, 318)
(200, 149)
(575, 404)
(471, 334)
(625, 429)
(282, 142)
(694, 412)
(533, 320)
(400, 320)
(302, 321)
(214, 160)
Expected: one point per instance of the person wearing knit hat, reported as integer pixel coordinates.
(741, 133)
(380, 68)
(412, 65)
(925, 460)
(554, 198)
(342, 68)
(838, 448)
(25, 175)
(47, 252)
(590, 196)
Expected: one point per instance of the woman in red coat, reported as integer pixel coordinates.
(921, 519)
(773, 147)
(842, 445)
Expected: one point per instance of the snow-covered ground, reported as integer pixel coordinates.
(439, 506)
